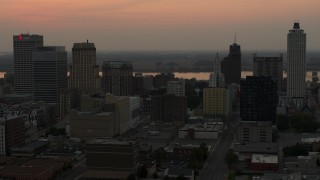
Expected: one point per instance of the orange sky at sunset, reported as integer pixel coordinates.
(160, 24)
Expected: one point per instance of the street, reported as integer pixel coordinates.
(215, 167)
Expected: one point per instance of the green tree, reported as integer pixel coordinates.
(193, 163)
(297, 150)
(204, 148)
(198, 153)
(303, 122)
(159, 155)
(231, 159)
(131, 177)
(282, 122)
(155, 175)
(181, 177)
(143, 172)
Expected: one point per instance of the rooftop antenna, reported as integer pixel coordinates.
(235, 38)
(87, 41)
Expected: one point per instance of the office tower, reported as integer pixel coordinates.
(176, 87)
(23, 45)
(161, 80)
(117, 77)
(231, 65)
(258, 99)
(84, 69)
(216, 78)
(296, 52)
(269, 66)
(216, 103)
(50, 73)
(137, 84)
(111, 158)
(169, 108)
(12, 132)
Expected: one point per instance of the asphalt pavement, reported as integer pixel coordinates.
(215, 168)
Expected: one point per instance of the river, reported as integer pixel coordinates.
(204, 75)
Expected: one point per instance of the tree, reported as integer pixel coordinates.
(155, 175)
(231, 159)
(297, 150)
(198, 154)
(159, 155)
(166, 178)
(303, 122)
(282, 122)
(181, 177)
(204, 148)
(143, 172)
(131, 177)
(193, 163)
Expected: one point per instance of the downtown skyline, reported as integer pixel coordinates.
(160, 25)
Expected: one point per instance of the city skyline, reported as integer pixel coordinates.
(160, 25)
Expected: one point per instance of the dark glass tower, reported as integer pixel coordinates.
(231, 65)
(50, 73)
(23, 46)
(117, 77)
(258, 99)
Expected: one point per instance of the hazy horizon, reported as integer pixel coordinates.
(161, 25)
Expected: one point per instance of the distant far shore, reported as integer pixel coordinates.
(203, 75)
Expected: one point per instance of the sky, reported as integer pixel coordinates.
(158, 25)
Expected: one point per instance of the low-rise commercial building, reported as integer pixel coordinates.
(37, 169)
(111, 158)
(175, 172)
(264, 162)
(31, 149)
(255, 132)
(12, 132)
(201, 131)
(88, 125)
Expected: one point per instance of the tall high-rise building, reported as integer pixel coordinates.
(269, 66)
(231, 65)
(50, 73)
(296, 52)
(84, 70)
(23, 45)
(117, 77)
(258, 99)
(216, 78)
(216, 102)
